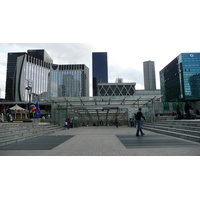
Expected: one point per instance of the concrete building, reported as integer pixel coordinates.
(149, 75)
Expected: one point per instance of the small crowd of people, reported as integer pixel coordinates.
(68, 123)
(6, 114)
(189, 112)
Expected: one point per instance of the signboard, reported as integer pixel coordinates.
(108, 108)
(30, 85)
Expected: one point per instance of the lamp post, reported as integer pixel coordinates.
(29, 100)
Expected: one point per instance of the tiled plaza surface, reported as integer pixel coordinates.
(104, 141)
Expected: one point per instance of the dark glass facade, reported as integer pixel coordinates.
(40, 54)
(11, 67)
(180, 79)
(99, 70)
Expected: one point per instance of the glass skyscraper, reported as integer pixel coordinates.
(69, 80)
(35, 72)
(180, 79)
(99, 70)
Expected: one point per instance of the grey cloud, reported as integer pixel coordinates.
(61, 53)
(73, 53)
(127, 73)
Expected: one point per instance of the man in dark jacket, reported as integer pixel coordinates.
(8, 114)
(139, 122)
(187, 110)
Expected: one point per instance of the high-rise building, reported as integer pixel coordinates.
(99, 70)
(149, 75)
(180, 79)
(35, 71)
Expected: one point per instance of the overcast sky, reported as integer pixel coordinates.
(131, 32)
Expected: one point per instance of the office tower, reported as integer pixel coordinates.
(99, 70)
(149, 75)
(180, 79)
(34, 72)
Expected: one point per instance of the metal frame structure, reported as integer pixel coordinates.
(116, 89)
(88, 110)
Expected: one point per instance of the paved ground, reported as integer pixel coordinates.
(105, 141)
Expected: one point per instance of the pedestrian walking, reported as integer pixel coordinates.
(116, 122)
(139, 115)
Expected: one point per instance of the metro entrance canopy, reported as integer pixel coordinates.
(90, 110)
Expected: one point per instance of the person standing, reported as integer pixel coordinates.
(178, 111)
(138, 117)
(67, 123)
(2, 114)
(8, 114)
(187, 110)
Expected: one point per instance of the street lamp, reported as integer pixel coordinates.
(29, 101)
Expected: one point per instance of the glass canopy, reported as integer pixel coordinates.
(89, 110)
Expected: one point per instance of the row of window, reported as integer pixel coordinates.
(68, 67)
(66, 83)
(38, 62)
(166, 106)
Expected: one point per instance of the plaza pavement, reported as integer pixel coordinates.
(102, 141)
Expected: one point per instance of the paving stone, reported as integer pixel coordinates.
(103, 141)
